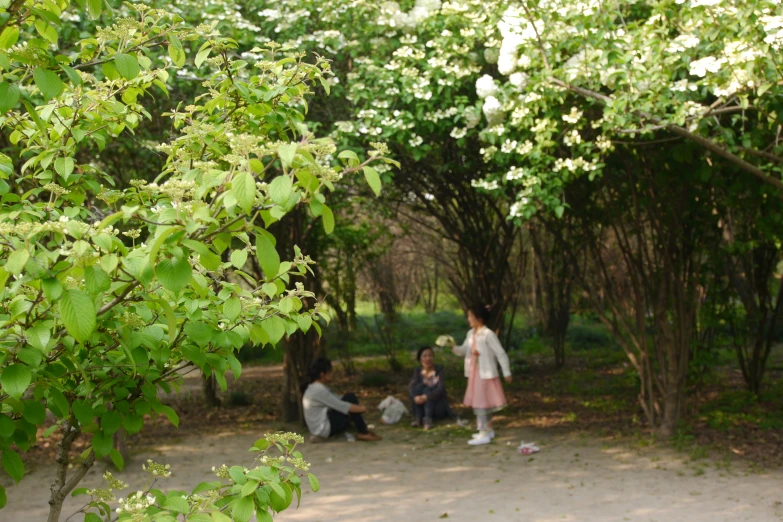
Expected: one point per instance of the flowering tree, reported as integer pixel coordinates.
(109, 294)
(574, 75)
(574, 81)
(408, 73)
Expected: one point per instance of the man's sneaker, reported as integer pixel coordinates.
(482, 439)
(491, 434)
(368, 437)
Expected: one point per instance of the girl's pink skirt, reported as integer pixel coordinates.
(483, 395)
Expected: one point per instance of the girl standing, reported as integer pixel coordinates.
(482, 352)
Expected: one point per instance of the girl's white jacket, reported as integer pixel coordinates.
(490, 354)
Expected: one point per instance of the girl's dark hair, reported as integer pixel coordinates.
(320, 366)
(481, 312)
(422, 350)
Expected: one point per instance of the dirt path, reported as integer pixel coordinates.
(413, 476)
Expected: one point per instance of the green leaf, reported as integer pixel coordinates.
(96, 280)
(64, 167)
(262, 444)
(72, 74)
(243, 186)
(101, 444)
(94, 8)
(15, 379)
(13, 464)
(280, 497)
(9, 96)
(328, 218)
(46, 31)
(34, 412)
(48, 82)
(3, 497)
(373, 179)
(269, 289)
(232, 308)
(262, 515)
(314, 484)
(32, 357)
(287, 153)
(83, 412)
(239, 258)
(274, 327)
(171, 319)
(176, 53)
(280, 190)
(249, 488)
(127, 65)
(174, 274)
(132, 423)
(171, 415)
(304, 322)
(16, 261)
(176, 504)
(52, 288)
(58, 404)
(217, 516)
(78, 313)
(92, 517)
(7, 426)
(243, 509)
(116, 458)
(267, 256)
(316, 207)
(201, 56)
(9, 37)
(111, 422)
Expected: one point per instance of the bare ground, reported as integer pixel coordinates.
(587, 470)
(414, 476)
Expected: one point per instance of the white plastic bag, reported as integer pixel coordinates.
(393, 410)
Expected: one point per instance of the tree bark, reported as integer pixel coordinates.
(64, 485)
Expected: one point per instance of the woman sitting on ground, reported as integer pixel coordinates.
(326, 414)
(427, 391)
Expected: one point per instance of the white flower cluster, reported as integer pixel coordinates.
(393, 16)
(573, 117)
(484, 184)
(458, 132)
(518, 80)
(574, 165)
(603, 143)
(516, 31)
(445, 341)
(572, 138)
(493, 110)
(486, 87)
(440, 114)
(518, 206)
(773, 26)
(136, 503)
(515, 174)
(682, 42)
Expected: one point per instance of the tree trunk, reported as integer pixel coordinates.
(210, 390)
(63, 485)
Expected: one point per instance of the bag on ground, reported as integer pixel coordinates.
(393, 410)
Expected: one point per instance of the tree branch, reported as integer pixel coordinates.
(676, 129)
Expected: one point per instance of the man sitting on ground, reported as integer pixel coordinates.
(326, 414)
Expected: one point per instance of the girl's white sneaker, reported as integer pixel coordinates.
(491, 434)
(482, 439)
